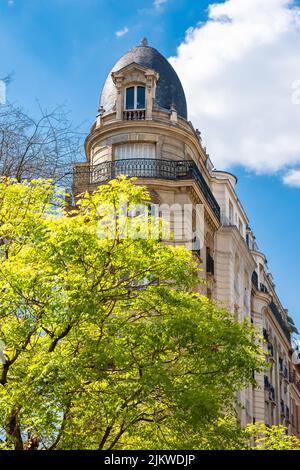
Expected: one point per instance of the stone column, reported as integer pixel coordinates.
(149, 97)
(120, 99)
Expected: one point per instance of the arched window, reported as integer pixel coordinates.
(135, 98)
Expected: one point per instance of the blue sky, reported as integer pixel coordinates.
(61, 51)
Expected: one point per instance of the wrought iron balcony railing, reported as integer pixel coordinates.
(266, 335)
(210, 265)
(292, 377)
(255, 279)
(263, 288)
(269, 388)
(266, 382)
(270, 349)
(280, 320)
(155, 168)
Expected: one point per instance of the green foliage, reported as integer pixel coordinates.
(107, 343)
(271, 438)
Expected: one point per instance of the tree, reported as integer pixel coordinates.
(42, 147)
(107, 344)
(271, 438)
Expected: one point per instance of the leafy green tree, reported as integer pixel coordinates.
(107, 343)
(271, 438)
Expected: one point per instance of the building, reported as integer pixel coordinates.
(142, 130)
(294, 380)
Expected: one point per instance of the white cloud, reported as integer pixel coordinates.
(240, 71)
(159, 3)
(122, 32)
(292, 178)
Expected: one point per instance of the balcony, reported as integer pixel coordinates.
(263, 288)
(270, 389)
(266, 335)
(271, 349)
(272, 393)
(157, 169)
(287, 413)
(266, 382)
(283, 371)
(134, 115)
(210, 265)
(292, 378)
(197, 253)
(255, 279)
(280, 361)
(280, 320)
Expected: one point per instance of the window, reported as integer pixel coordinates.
(135, 97)
(129, 98)
(134, 150)
(140, 97)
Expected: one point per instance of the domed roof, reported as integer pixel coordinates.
(168, 90)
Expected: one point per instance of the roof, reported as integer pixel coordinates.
(168, 90)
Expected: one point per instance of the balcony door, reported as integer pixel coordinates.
(134, 150)
(135, 159)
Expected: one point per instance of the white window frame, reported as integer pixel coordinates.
(134, 98)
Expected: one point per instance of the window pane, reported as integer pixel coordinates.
(130, 98)
(134, 150)
(140, 97)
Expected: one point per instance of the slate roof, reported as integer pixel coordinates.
(169, 89)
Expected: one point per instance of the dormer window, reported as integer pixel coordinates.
(135, 98)
(135, 92)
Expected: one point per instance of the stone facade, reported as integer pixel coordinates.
(165, 152)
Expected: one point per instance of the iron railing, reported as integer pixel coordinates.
(272, 393)
(154, 168)
(271, 349)
(293, 380)
(263, 288)
(266, 335)
(210, 265)
(255, 279)
(266, 382)
(280, 320)
(287, 413)
(269, 388)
